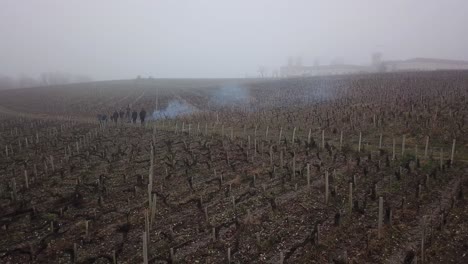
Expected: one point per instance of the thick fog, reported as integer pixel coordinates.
(119, 39)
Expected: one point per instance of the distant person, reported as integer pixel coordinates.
(121, 114)
(127, 114)
(115, 116)
(104, 118)
(134, 116)
(142, 115)
(99, 118)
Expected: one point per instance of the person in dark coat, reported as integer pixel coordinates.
(121, 114)
(142, 115)
(134, 116)
(115, 116)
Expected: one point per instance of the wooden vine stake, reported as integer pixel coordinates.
(75, 252)
(326, 187)
(323, 139)
(26, 179)
(171, 252)
(145, 248)
(153, 210)
(441, 158)
(280, 133)
(359, 144)
(403, 145)
(380, 141)
(427, 147)
(293, 136)
(341, 140)
(423, 238)
(380, 217)
(453, 152)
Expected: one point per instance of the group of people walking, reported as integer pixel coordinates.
(127, 116)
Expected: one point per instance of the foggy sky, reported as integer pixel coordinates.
(118, 39)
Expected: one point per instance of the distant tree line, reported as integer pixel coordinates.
(44, 79)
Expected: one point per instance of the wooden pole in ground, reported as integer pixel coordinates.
(441, 158)
(75, 252)
(145, 248)
(403, 145)
(380, 141)
(26, 179)
(380, 217)
(427, 146)
(341, 140)
(293, 136)
(280, 133)
(393, 155)
(359, 145)
(423, 238)
(350, 205)
(326, 187)
(453, 152)
(323, 139)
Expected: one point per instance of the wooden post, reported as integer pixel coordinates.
(294, 167)
(350, 205)
(326, 187)
(153, 210)
(319, 230)
(427, 146)
(323, 139)
(171, 252)
(403, 145)
(271, 155)
(393, 155)
(423, 238)
(341, 140)
(52, 163)
(359, 145)
(293, 136)
(441, 158)
(281, 260)
(453, 152)
(75, 252)
(380, 217)
(145, 248)
(26, 179)
(380, 141)
(281, 158)
(308, 136)
(229, 255)
(280, 133)
(308, 175)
